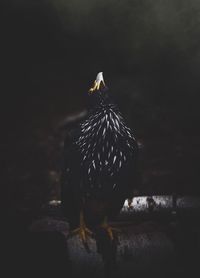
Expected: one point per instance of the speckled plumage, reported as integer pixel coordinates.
(100, 163)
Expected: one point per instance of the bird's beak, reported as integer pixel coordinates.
(99, 81)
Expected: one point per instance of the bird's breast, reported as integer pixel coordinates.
(106, 146)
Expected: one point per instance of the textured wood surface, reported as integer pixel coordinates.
(154, 242)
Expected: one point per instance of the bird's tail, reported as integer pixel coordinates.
(107, 248)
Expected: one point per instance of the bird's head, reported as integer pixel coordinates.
(98, 85)
(98, 92)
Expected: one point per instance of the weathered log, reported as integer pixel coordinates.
(140, 249)
(144, 248)
(153, 240)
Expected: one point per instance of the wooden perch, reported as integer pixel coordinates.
(138, 245)
(145, 247)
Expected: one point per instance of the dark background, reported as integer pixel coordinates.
(51, 52)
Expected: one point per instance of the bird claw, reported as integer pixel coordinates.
(83, 233)
(110, 230)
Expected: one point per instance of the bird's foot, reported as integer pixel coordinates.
(83, 232)
(111, 231)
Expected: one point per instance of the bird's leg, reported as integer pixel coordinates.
(108, 228)
(82, 230)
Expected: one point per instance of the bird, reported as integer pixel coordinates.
(100, 166)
